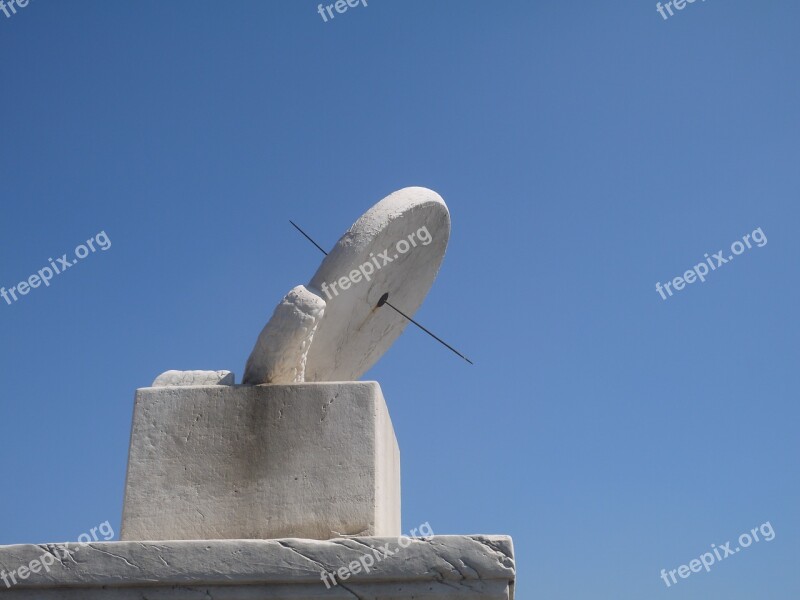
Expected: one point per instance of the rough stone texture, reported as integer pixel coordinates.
(281, 349)
(443, 567)
(354, 332)
(190, 378)
(315, 460)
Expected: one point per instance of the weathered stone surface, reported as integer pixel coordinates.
(366, 263)
(315, 460)
(282, 346)
(474, 567)
(190, 378)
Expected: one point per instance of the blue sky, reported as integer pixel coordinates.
(587, 150)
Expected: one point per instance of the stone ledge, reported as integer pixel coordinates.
(478, 567)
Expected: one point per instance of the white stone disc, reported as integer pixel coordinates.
(413, 225)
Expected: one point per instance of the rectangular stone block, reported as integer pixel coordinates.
(449, 567)
(310, 460)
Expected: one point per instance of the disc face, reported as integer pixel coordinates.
(395, 248)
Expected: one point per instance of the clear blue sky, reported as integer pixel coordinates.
(586, 150)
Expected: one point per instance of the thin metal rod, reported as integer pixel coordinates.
(437, 338)
(308, 238)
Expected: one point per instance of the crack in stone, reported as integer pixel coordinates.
(355, 541)
(53, 550)
(48, 550)
(122, 558)
(455, 568)
(470, 567)
(349, 590)
(455, 586)
(311, 560)
(504, 558)
(440, 554)
(188, 435)
(342, 543)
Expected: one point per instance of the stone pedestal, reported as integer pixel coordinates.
(437, 568)
(312, 460)
(231, 476)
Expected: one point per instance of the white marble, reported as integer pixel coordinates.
(191, 378)
(313, 460)
(395, 248)
(281, 349)
(448, 567)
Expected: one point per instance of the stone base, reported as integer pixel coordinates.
(445, 567)
(312, 460)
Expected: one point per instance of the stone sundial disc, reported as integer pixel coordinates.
(333, 329)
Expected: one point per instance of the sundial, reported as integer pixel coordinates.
(361, 298)
(289, 484)
(302, 449)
